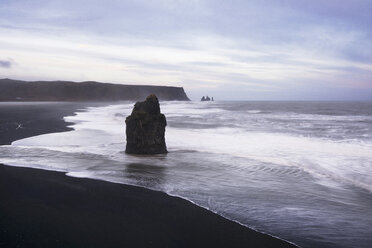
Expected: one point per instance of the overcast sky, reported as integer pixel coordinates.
(232, 50)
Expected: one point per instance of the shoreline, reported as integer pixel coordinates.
(19, 120)
(47, 208)
(184, 223)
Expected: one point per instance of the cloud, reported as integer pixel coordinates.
(5, 64)
(235, 46)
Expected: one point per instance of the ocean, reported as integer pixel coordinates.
(300, 171)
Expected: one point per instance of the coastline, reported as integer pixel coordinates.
(19, 120)
(49, 209)
(46, 208)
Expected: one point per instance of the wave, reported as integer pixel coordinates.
(102, 131)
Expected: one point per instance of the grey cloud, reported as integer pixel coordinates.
(5, 64)
(206, 63)
(270, 27)
(363, 55)
(264, 21)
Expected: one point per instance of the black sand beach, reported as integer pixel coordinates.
(49, 209)
(20, 120)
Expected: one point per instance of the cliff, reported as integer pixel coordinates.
(16, 90)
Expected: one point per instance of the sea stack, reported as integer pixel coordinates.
(146, 128)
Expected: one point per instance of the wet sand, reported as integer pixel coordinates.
(20, 120)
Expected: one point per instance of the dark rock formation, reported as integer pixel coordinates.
(146, 128)
(16, 90)
(206, 99)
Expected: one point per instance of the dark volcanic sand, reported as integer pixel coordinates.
(20, 120)
(49, 209)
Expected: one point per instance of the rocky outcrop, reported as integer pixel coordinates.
(146, 128)
(16, 90)
(204, 99)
